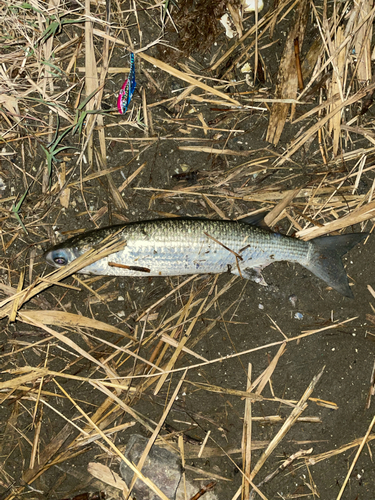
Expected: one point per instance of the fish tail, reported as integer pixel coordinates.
(325, 259)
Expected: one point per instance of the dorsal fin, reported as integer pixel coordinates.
(256, 219)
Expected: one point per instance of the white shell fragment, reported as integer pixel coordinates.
(249, 5)
(246, 68)
(228, 25)
(232, 20)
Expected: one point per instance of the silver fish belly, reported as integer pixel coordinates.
(173, 247)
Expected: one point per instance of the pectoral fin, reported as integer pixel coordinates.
(251, 273)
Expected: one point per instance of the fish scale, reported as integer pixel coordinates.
(175, 247)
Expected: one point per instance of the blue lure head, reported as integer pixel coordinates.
(127, 90)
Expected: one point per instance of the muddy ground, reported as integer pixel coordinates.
(247, 316)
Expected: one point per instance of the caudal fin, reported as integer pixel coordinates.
(325, 261)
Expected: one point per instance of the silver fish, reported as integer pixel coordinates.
(175, 247)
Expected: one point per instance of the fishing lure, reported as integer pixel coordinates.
(127, 90)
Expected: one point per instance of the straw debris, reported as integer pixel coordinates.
(276, 121)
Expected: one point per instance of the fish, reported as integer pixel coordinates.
(186, 246)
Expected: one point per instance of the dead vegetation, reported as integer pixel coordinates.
(64, 145)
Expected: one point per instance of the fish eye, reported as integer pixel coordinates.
(60, 261)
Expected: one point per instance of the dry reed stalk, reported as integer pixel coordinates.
(111, 70)
(91, 290)
(200, 99)
(206, 128)
(325, 404)
(29, 393)
(223, 390)
(191, 450)
(110, 246)
(350, 31)
(62, 338)
(12, 315)
(169, 340)
(361, 214)
(47, 454)
(149, 309)
(187, 78)
(137, 472)
(330, 327)
(212, 205)
(208, 475)
(287, 76)
(265, 376)
(115, 399)
(35, 344)
(181, 344)
(181, 448)
(116, 191)
(156, 432)
(362, 42)
(177, 329)
(145, 113)
(212, 303)
(66, 320)
(298, 143)
(184, 95)
(336, 86)
(267, 20)
(337, 451)
(108, 476)
(37, 401)
(213, 150)
(301, 406)
(105, 383)
(352, 465)
(246, 441)
(117, 348)
(84, 441)
(163, 327)
(271, 217)
(35, 447)
(203, 445)
(284, 465)
(51, 373)
(267, 195)
(91, 73)
(33, 375)
(248, 351)
(99, 118)
(277, 418)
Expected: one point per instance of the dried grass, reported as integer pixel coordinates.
(59, 62)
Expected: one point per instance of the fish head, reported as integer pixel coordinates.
(61, 255)
(64, 253)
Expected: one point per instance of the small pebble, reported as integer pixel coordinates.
(298, 316)
(261, 306)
